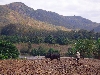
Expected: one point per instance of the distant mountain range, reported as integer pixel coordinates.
(9, 16)
(18, 12)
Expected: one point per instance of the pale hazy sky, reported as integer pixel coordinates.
(89, 9)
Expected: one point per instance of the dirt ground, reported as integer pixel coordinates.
(66, 66)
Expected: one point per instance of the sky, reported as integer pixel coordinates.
(89, 9)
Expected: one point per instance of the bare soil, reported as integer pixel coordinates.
(66, 66)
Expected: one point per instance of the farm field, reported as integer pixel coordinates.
(66, 66)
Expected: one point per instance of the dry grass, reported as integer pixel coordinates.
(66, 66)
(62, 48)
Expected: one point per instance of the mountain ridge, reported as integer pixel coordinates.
(9, 16)
(71, 22)
(42, 19)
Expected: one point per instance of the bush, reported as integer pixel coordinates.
(34, 52)
(71, 52)
(24, 50)
(8, 50)
(52, 51)
(40, 51)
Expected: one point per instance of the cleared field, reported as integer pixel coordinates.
(66, 66)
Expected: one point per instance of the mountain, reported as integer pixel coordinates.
(9, 16)
(97, 29)
(71, 22)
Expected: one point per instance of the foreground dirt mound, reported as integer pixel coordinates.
(66, 66)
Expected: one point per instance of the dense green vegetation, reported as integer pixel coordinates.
(87, 48)
(41, 51)
(8, 50)
(15, 34)
(86, 42)
(57, 37)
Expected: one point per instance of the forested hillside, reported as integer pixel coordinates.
(8, 16)
(72, 22)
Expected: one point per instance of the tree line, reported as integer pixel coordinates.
(87, 49)
(15, 34)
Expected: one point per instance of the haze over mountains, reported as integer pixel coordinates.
(18, 12)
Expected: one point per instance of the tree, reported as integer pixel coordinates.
(9, 29)
(34, 52)
(50, 39)
(41, 51)
(85, 47)
(29, 47)
(38, 40)
(8, 50)
(63, 41)
(97, 51)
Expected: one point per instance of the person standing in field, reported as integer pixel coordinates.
(77, 57)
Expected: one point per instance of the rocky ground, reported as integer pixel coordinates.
(66, 66)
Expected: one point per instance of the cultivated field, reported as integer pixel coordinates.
(66, 66)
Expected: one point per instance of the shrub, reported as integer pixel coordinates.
(51, 50)
(40, 51)
(71, 52)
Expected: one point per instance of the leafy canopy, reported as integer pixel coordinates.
(8, 50)
(86, 47)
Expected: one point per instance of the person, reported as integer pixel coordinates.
(77, 57)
